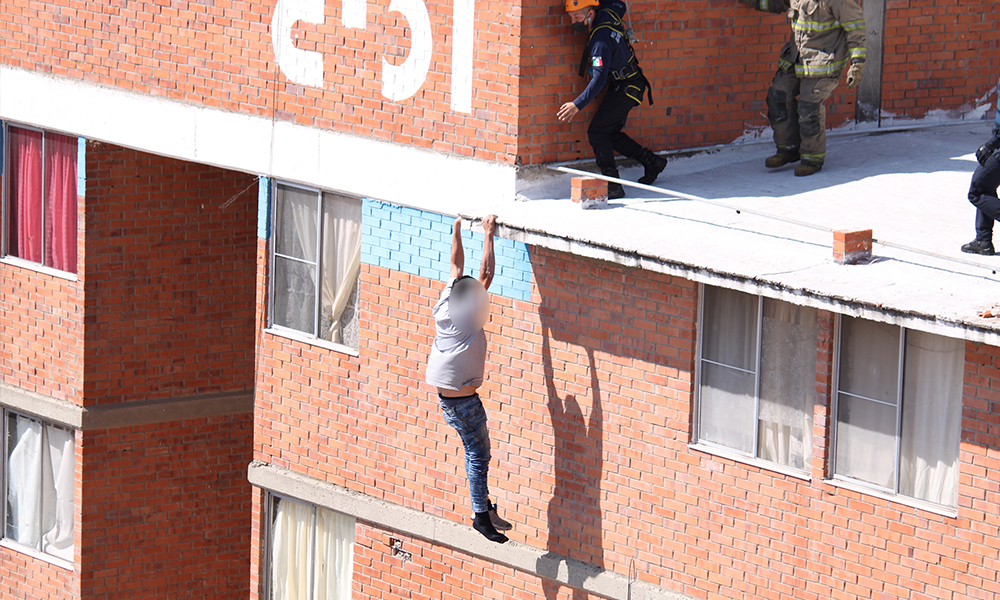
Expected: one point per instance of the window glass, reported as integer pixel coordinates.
(40, 486)
(775, 425)
(317, 264)
(42, 198)
(311, 552)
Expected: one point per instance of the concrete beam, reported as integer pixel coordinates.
(438, 530)
(125, 414)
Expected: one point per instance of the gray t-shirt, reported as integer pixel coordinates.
(457, 358)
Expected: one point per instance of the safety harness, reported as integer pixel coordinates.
(631, 68)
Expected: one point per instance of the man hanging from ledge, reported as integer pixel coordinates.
(826, 36)
(609, 57)
(457, 364)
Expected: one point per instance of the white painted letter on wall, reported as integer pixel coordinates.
(304, 67)
(462, 46)
(354, 13)
(401, 82)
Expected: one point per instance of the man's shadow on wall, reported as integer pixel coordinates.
(575, 518)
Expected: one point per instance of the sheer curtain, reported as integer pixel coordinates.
(334, 555)
(60, 201)
(341, 265)
(40, 487)
(868, 401)
(24, 212)
(291, 542)
(295, 259)
(728, 380)
(312, 553)
(787, 383)
(932, 417)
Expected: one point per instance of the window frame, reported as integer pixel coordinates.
(5, 255)
(697, 443)
(5, 414)
(857, 484)
(288, 332)
(270, 506)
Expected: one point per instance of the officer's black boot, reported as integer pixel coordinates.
(654, 166)
(984, 247)
(615, 190)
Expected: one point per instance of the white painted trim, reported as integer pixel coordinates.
(39, 268)
(291, 334)
(746, 459)
(438, 530)
(944, 511)
(333, 161)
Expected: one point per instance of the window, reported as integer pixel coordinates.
(311, 552)
(39, 485)
(757, 376)
(899, 410)
(41, 195)
(317, 262)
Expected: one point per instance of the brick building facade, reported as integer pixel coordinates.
(263, 201)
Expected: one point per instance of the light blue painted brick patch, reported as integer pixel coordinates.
(81, 165)
(418, 242)
(264, 208)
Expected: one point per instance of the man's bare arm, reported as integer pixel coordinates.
(457, 252)
(489, 262)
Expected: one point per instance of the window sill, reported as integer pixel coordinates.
(52, 560)
(861, 488)
(31, 266)
(291, 334)
(723, 452)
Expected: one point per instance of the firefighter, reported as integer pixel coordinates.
(827, 36)
(612, 64)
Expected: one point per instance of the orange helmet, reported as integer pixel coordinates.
(575, 5)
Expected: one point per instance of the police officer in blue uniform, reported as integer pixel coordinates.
(983, 192)
(612, 64)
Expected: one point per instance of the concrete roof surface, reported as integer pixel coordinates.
(909, 187)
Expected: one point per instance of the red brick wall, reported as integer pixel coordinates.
(939, 55)
(590, 400)
(169, 277)
(41, 328)
(711, 62)
(166, 510)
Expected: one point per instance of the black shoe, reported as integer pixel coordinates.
(782, 158)
(483, 525)
(654, 165)
(979, 247)
(498, 523)
(615, 190)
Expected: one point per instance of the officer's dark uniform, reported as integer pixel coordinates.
(983, 192)
(609, 56)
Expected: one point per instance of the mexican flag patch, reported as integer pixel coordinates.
(596, 62)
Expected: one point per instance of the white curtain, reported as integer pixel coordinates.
(729, 337)
(312, 553)
(341, 265)
(291, 542)
(787, 383)
(866, 430)
(932, 417)
(295, 280)
(40, 487)
(334, 555)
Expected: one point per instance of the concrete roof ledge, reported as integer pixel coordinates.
(438, 530)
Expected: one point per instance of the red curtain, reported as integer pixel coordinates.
(25, 194)
(25, 198)
(60, 201)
